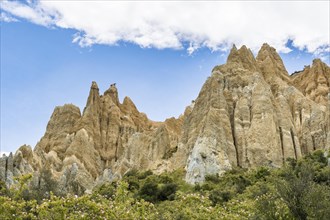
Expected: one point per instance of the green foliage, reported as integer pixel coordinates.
(167, 191)
(187, 206)
(107, 190)
(149, 192)
(317, 157)
(3, 189)
(132, 172)
(299, 190)
(158, 189)
(123, 206)
(214, 178)
(269, 206)
(293, 188)
(262, 173)
(145, 174)
(218, 196)
(20, 189)
(304, 188)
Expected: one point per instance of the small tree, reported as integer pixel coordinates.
(218, 196)
(4, 191)
(149, 192)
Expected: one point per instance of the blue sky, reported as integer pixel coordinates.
(41, 67)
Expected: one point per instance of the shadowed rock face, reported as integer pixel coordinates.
(249, 113)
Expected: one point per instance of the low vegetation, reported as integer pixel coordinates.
(298, 190)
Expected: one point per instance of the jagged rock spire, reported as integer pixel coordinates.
(243, 56)
(271, 64)
(94, 96)
(113, 93)
(129, 105)
(314, 81)
(269, 53)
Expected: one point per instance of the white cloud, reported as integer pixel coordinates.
(4, 153)
(30, 11)
(216, 25)
(7, 18)
(323, 53)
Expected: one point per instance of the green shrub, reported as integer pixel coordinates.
(132, 172)
(107, 190)
(214, 178)
(218, 196)
(262, 173)
(241, 184)
(145, 174)
(158, 189)
(4, 191)
(167, 191)
(149, 192)
(299, 190)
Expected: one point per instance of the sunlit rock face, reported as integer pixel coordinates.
(253, 113)
(314, 81)
(250, 112)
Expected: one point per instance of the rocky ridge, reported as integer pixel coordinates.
(250, 112)
(314, 81)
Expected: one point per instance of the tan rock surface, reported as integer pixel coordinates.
(249, 113)
(314, 81)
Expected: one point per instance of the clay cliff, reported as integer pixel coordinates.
(314, 81)
(250, 112)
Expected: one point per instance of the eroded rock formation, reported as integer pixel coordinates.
(250, 112)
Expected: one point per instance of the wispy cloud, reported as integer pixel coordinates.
(33, 12)
(216, 25)
(323, 53)
(7, 18)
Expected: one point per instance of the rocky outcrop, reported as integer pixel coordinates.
(102, 143)
(250, 112)
(314, 81)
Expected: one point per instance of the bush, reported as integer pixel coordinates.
(144, 175)
(269, 206)
(149, 192)
(4, 191)
(167, 191)
(262, 173)
(107, 190)
(214, 178)
(132, 172)
(218, 196)
(241, 184)
(155, 190)
(299, 190)
(323, 176)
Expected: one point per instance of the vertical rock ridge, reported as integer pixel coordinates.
(294, 144)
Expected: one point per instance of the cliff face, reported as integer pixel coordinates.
(314, 81)
(250, 112)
